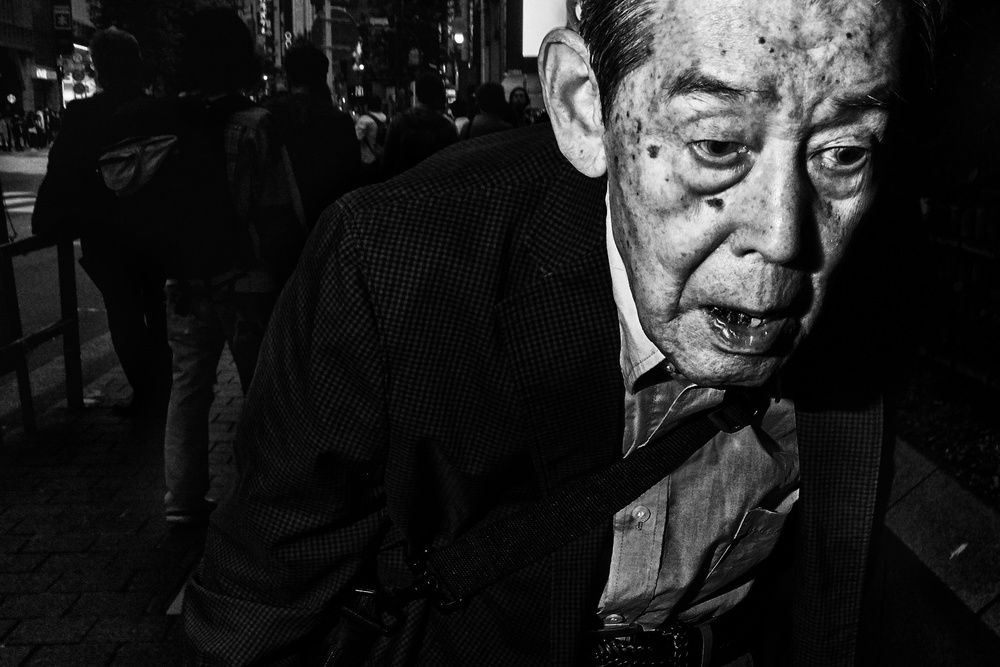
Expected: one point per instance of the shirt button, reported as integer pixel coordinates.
(640, 513)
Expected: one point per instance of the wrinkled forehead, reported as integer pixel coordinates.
(778, 45)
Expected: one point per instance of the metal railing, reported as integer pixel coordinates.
(15, 344)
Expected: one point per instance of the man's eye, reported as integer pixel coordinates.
(844, 159)
(720, 153)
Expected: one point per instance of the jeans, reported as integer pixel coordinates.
(200, 321)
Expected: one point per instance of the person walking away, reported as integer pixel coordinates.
(73, 201)
(371, 129)
(223, 211)
(319, 137)
(493, 110)
(421, 131)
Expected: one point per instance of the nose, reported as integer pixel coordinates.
(774, 216)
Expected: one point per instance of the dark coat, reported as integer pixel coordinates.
(322, 146)
(72, 199)
(413, 136)
(447, 350)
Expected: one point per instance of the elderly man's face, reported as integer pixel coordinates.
(740, 160)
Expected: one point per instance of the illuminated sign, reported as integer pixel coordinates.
(264, 17)
(62, 18)
(45, 73)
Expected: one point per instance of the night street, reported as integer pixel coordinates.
(38, 291)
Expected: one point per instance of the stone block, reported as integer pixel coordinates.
(129, 629)
(955, 535)
(77, 655)
(43, 605)
(26, 582)
(11, 656)
(912, 467)
(20, 562)
(50, 630)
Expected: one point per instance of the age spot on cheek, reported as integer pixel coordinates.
(716, 203)
(653, 151)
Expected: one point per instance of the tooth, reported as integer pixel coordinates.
(756, 321)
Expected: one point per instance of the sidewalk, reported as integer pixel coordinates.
(88, 566)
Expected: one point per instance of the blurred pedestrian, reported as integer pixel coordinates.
(222, 210)
(493, 111)
(6, 142)
(74, 201)
(17, 131)
(519, 101)
(460, 116)
(318, 136)
(421, 131)
(371, 130)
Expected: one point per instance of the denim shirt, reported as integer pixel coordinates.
(679, 548)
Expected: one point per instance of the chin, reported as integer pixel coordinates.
(714, 368)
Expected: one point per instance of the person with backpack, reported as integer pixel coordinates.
(371, 129)
(319, 137)
(420, 131)
(72, 201)
(221, 215)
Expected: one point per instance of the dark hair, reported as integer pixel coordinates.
(306, 65)
(459, 108)
(619, 36)
(430, 91)
(117, 58)
(527, 97)
(491, 98)
(373, 102)
(217, 53)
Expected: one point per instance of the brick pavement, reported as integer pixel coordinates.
(88, 566)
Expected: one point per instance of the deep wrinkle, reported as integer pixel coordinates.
(700, 225)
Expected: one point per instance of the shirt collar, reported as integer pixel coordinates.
(638, 354)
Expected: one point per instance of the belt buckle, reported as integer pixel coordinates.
(630, 631)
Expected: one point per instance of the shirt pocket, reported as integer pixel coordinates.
(754, 541)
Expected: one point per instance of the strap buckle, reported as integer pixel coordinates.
(736, 412)
(426, 584)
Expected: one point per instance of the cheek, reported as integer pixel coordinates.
(837, 222)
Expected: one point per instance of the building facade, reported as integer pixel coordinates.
(29, 65)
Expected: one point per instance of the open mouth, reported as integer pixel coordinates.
(743, 333)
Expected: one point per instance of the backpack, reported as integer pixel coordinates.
(166, 162)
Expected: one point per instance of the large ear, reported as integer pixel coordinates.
(572, 100)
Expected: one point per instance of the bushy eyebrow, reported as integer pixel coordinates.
(692, 80)
(881, 98)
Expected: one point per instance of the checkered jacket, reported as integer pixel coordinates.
(446, 351)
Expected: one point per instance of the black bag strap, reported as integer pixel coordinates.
(486, 555)
(495, 551)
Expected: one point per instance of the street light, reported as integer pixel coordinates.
(457, 29)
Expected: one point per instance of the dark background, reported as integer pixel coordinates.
(950, 404)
